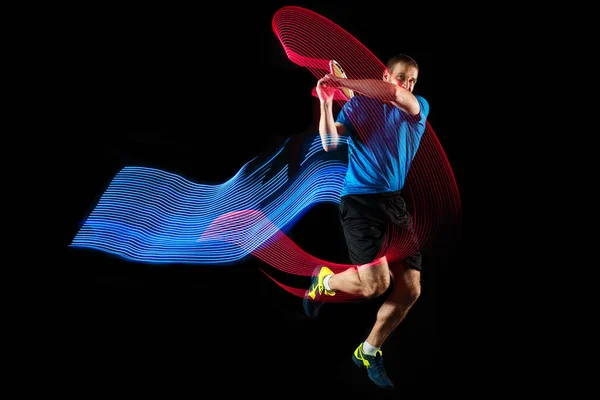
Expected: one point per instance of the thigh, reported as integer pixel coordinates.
(365, 225)
(376, 271)
(402, 234)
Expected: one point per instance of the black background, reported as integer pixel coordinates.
(199, 93)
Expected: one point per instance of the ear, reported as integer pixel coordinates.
(386, 74)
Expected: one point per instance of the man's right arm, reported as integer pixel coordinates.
(329, 130)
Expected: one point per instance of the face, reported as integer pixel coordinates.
(403, 75)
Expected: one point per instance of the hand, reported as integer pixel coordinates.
(324, 89)
(331, 80)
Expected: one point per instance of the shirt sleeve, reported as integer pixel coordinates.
(345, 113)
(418, 122)
(424, 105)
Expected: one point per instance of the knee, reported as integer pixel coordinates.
(412, 294)
(377, 287)
(407, 286)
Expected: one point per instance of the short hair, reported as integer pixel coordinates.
(392, 61)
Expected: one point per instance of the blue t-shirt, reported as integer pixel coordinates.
(382, 141)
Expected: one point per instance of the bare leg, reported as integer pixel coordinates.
(368, 280)
(404, 294)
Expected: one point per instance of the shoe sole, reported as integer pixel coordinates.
(314, 275)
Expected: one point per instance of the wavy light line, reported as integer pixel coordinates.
(150, 215)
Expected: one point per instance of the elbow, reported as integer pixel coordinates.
(330, 143)
(407, 101)
(330, 147)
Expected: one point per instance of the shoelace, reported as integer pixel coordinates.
(319, 289)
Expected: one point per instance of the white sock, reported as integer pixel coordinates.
(326, 282)
(369, 349)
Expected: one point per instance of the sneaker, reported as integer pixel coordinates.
(311, 302)
(374, 366)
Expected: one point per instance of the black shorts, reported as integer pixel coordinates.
(367, 220)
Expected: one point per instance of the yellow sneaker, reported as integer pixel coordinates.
(374, 366)
(312, 305)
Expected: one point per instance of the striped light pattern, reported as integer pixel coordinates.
(150, 215)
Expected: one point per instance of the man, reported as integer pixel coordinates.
(385, 123)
